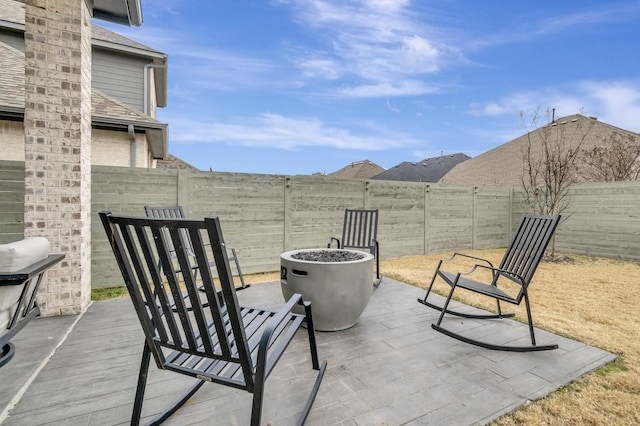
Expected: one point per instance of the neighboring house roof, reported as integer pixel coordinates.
(106, 112)
(358, 170)
(504, 165)
(12, 17)
(427, 170)
(173, 162)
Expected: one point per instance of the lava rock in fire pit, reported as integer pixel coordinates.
(327, 256)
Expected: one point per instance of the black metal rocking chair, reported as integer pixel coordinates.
(18, 290)
(517, 267)
(198, 335)
(360, 231)
(178, 213)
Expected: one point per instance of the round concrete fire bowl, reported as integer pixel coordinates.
(337, 282)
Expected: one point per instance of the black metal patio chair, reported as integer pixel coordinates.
(360, 231)
(514, 274)
(199, 335)
(22, 267)
(178, 213)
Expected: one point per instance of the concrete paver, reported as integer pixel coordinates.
(389, 369)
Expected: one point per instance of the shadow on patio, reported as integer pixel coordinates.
(390, 369)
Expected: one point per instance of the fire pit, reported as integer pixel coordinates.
(337, 282)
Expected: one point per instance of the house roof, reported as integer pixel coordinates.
(358, 170)
(106, 112)
(503, 165)
(173, 162)
(427, 170)
(12, 17)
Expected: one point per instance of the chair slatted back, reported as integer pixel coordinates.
(165, 212)
(169, 213)
(360, 228)
(170, 319)
(528, 246)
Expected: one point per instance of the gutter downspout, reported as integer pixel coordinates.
(132, 145)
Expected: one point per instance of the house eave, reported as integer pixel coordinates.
(11, 113)
(123, 12)
(157, 133)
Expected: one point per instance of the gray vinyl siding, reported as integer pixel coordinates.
(119, 76)
(13, 38)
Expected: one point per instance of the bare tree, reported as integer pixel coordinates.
(549, 160)
(614, 159)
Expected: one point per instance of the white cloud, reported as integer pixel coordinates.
(607, 13)
(614, 102)
(387, 4)
(280, 132)
(318, 67)
(420, 54)
(387, 89)
(383, 43)
(490, 109)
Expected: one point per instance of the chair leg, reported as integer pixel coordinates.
(140, 390)
(378, 279)
(424, 301)
(8, 351)
(530, 320)
(256, 406)
(486, 345)
(444, 310)
(235, 259)
(256, 410)
(314, 362)
(311, 331)
(313, 394)
(258, 395)
(142, 384)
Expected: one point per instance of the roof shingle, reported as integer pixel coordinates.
(504, 165)
(427, 170)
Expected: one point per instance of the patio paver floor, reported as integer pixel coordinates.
(390, 369)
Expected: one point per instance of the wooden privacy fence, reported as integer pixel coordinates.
(264, 215)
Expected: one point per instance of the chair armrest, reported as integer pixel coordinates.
(331, 240)
(497, 272)
(19, 277)
(272, 325)
(456, 254)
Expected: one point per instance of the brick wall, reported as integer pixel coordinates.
(57, 135)
(110, 148)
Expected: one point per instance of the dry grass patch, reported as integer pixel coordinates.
(593, 300)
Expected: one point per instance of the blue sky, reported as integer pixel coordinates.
(303, 86)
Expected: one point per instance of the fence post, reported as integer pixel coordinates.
(474, 217)
(366, 198)
(427, 189)
(182, 191)
(286, 225)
